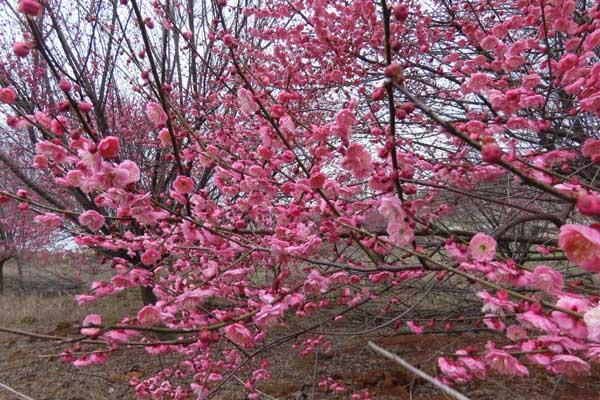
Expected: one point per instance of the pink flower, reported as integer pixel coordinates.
(30, 7)
(164, 137)
(90, 320)
(183, 184)
(504, 363)
(546, 279)
(591, 149)
(150, 256)
(496, 305)
(49, 220)
(85, 107)
(191, 299)
(8, 95)
(21, 49)
(516, 333)
(581, 245)
(344, 121)
(415, 327)
(316, 283)
(109, 147)
(357, 160)
(400, 232)
(391, 208)
(569, 365)
(572, 325)
(589, 204)
(247, 103)
(453, 370)
(92, 219)
(592, 322)
(156, 114)
(482, 247)
(533, 320)
(238, 334)
(149, 315)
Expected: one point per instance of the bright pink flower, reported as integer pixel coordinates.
(453, 370)
(190, 300)
(415, 327)
(532, 320)
(572, 325)
(85, 107)
(482, 247)
(238, 334)
(8, 95)
(150, 257)
(581, 245)
(49, 220)
(165, 137)
(183, 184)
(592, 41)
(30, 7)
(591, 149)
(569, 365)
(592, 322)
(516, 333)
(316, 283)
(109, 147)
(92, 219)
(156, 114)
(149, 315)
(90, 320)
(246, 100)
(491, 153)
(357, 160)
(546, 279)
(589, 204)
(504, 363)
(21, 49)
(391, 208)
(498, 304)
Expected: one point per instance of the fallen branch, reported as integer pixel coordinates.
(445, 388)
(13, 391)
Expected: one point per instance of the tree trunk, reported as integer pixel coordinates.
(148, 296)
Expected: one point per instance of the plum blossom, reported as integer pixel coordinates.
(50, 220)
(156, 114)
(92, 219)
(7, 95)
(90, 320)
(316, 283)
(504, 363)
(150, 257)
(572, 325)
(149, 315)
(546, 279)
(247, 103)
(569, 365)
(453, 370)
(109, 147)
(183, 184)
(592, 322)
(357, 160)
(581, 245)
(482, 247)
(238, 334)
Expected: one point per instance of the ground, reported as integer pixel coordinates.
(31, 366)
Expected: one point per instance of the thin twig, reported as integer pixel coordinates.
(445, 388)
(13, 391)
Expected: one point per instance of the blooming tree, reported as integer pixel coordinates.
(245, 151)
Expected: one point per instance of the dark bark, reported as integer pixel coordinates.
(148, 296)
